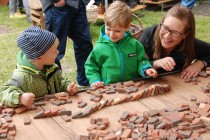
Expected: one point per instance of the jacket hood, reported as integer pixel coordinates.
(24, 63)
(104, 38)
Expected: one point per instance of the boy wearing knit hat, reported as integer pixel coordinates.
(36, 74)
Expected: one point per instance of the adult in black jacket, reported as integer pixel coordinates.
(171, 45)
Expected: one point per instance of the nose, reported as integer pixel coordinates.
(112, 34)
(57, 52)
(168, 35)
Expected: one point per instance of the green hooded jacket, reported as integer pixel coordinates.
(27, 78)
(112, 62)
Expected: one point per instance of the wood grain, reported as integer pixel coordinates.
(55, 128)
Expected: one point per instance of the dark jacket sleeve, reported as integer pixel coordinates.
(202, 51)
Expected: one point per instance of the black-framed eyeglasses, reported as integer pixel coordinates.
(166, 29)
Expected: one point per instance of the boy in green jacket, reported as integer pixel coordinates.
(36, 74)
(117, 56)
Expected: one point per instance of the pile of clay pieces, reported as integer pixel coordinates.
(186, 122)
(8, 129)
(152, 90)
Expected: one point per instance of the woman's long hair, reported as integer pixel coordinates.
(186, 46)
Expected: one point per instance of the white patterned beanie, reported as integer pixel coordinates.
(34, 41)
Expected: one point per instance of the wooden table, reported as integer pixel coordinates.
(159, 2)
(54, 128)
(138, 7)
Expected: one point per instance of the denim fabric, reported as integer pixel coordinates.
(14, 5)
(68, 21)
(188, 3)
(27, 9)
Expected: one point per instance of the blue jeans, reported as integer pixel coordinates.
(188, 3)
(68, 21)
(27, 9)
(14, 5)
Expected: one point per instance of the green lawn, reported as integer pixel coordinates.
(14, 27)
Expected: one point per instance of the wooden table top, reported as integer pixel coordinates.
(54, 128)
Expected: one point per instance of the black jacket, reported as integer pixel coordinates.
(72, 3)
(202, 49)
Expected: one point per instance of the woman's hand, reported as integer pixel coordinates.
(192, 70)
(166, 63)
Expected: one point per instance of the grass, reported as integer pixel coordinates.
(14, 27)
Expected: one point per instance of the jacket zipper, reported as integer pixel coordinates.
(105, 81)
(47, 77)
(56, 91)
(48, 85)
(122, 63)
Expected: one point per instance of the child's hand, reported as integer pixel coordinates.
(72, 88)
(27, 99)
(97, 84)
(151, 72)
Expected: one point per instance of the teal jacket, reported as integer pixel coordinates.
(27, 78)
(112, 62)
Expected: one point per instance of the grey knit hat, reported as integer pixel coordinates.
(34, 41)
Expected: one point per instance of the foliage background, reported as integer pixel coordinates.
(11, 28)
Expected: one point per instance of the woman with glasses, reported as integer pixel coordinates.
(171, 45)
